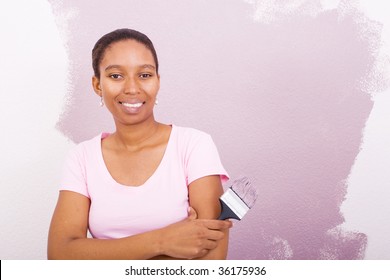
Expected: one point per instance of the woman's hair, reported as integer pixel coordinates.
(115, 36)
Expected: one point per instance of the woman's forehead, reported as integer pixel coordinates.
(126, 51)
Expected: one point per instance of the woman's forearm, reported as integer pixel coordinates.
(142, 246)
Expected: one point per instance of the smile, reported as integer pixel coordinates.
(132, 105)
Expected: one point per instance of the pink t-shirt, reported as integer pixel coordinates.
(118, 211)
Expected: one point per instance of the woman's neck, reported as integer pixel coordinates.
(132, 137)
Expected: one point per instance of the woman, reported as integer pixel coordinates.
(146, 191)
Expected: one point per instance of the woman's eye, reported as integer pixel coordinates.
(145, 75)
(115, 76)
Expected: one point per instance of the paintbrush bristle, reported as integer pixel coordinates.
(237, 199)
(245, 190)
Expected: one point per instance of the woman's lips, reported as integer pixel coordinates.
(132, 107)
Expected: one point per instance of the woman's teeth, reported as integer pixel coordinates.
(130, 105)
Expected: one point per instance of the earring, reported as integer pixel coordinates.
(101, 101)
(156, 102)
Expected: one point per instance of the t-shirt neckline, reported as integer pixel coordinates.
(146, 183)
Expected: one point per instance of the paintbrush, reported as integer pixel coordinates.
(237, 199)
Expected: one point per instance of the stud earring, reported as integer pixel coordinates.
(156, 102)
(101, 101)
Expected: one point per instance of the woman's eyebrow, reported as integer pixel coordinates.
(109, 67)
(148, 66)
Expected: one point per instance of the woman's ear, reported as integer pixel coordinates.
(158, 77)
(96, 86)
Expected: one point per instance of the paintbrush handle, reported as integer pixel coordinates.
(226, 212)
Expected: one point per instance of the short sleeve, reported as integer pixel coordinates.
(74, 172)
(203, 159)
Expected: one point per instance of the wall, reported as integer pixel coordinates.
(294, 95)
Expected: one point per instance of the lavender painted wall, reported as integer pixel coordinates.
(285, 101)
(285, 91)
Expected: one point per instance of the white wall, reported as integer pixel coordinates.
(367, 205)
(32, 88)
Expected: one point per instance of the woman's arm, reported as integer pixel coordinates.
(204, 196)
(189, 238)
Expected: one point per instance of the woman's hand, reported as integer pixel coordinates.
(192, 237)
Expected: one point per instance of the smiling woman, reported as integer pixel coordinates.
(128, 82)
(148, 190)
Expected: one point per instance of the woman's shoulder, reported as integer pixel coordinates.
(190, 137)
(87, 146)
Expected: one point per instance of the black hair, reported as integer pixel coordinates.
(115, 36)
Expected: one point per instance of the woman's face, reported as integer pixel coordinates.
(128, 82)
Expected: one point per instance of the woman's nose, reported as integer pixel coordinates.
(131, 86)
